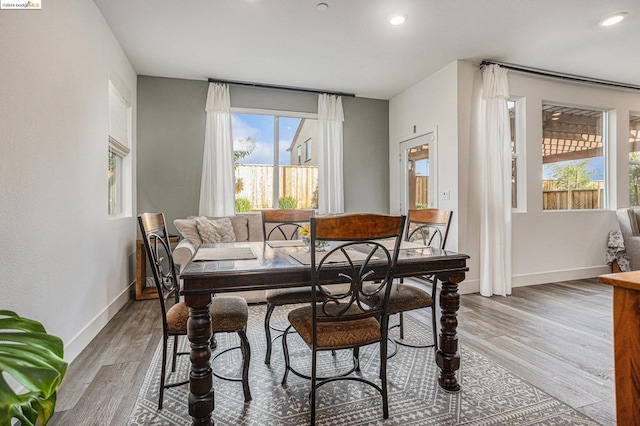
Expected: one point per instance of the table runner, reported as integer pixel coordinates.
(225, 253)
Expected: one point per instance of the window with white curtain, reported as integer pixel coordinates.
(119, 163)
(268, 155)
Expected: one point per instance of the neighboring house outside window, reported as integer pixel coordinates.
(268, 174)
(119, 162)
(573, 157)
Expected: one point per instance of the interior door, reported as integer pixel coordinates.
(418, 177)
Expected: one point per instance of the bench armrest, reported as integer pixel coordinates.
(183, 253)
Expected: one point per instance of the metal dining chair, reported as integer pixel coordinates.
(429, 227)
(228, 314)
(333, 321)
(283, 224)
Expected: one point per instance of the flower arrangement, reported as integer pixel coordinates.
(306, 237)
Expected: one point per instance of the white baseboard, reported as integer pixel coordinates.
(80, 341)
(473, 286)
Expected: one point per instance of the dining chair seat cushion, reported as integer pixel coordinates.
(407, 298)
(404, 298)
(335, 334)
(228, 313)
(177, 317)
(291, 296)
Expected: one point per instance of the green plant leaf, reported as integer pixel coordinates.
(35, 360)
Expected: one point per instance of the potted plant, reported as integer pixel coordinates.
(34, 359)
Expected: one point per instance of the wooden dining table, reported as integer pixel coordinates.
(266, 267)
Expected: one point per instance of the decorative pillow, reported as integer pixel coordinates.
(239, 224)
(215, 231)
(188, 230)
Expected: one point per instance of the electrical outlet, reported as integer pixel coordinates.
(446, 194)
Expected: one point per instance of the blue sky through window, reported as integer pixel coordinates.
(596, 167)
(260, 128)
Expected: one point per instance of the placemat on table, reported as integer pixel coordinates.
(404, 245)
(224, 253)
(336, 257)
(286, 243)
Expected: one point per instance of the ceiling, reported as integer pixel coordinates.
(352, 48)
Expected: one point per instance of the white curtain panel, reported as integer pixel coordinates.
(218, 181)
(495, 226)
(330, 176)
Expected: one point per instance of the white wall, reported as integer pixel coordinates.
(547, 246)
(430, 106)
(64, 262)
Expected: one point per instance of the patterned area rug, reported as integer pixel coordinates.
(491, 395)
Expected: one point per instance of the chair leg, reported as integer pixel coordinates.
(246, 359)
(383, 378)
(285, 351)
(312, 403)
(267, 332)
(401, 316)
(175, 354)
(163, 370)
(434, 328)
(356, 359)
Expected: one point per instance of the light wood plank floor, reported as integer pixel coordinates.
(556, 336)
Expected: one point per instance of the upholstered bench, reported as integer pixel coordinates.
(244, 227)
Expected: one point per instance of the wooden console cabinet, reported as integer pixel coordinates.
(626, 342)
(142, 291)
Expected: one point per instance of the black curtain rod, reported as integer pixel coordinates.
(271, 86)
(562, 76)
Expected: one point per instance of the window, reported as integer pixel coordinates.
(307, 150)
(118, 157)
(518, 199)
(573, 157)
(634, 159)
(268, 157)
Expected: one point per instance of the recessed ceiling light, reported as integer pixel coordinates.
(556, 114)
(397, 19)
(613, 19)
(322, 7)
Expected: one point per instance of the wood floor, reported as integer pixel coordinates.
(556, 336)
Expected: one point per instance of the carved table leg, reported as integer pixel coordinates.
(200, 379)
(447, 356)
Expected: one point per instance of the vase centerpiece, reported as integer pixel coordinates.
(305, 235)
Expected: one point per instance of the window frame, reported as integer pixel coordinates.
(518, 155)
(276, 114)
(606, 154)
(631, 114)
(307, 150)
(120, 149)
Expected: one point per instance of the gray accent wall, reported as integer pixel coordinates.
(171, 121)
